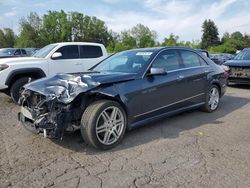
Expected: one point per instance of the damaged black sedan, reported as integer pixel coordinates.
(124, 91)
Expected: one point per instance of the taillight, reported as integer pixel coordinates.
(3, 66)
(226, 70)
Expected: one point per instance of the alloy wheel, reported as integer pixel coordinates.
(214, 98)
(109, 125)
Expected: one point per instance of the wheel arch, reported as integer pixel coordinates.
(217, 83)
(93, 96)
(24, 72)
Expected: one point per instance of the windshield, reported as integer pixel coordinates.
(243, 55)
(7, 51)
(42, 53)
(125, 62)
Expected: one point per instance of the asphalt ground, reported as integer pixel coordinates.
(192, 149)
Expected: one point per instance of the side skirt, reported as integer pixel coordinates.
(164, 115)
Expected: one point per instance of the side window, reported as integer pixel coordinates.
(69, 52)
(168, 60)
(87, 51)
(17, 52)
(191, 59)
(23, 52)
(203, 62)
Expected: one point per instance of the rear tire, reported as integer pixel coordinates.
(212, 99)
(15, 90)
(103, 124)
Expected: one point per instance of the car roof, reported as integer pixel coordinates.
(157, 49)
(201, 50)
(78, 43)
(11, 48)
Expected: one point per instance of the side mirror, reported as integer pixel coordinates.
(56, 55)
(157, 71)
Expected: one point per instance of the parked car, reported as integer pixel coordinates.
(124, 91)
(12, 52)
(31, 51)
(239, 68)
(55, 58)
(221, 58)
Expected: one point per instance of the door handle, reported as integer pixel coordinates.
(179, 78)
(78, 63)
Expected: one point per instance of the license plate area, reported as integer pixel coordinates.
(240, 72)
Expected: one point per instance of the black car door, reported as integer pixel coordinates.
(194, 75)
(159, 93)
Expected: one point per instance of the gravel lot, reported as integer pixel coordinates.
(193, 149)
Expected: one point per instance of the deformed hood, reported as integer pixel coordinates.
(65, 87)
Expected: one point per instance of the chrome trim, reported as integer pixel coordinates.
(170, 104)
(187, 68)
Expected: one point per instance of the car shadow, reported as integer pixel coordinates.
(167, 128)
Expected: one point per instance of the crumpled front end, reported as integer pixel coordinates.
(47, 104)
(40, 114)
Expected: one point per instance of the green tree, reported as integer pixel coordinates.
(113, 40)
(125, 41)
(55, 27)
(172, 40)
(231, 43)
(2, 39)
(144, 36)
(30, 29)
(89, 29)
(210, 36)
(225, 38)
(7, 38)
(139, 36)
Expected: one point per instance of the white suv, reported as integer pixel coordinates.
(66, 57)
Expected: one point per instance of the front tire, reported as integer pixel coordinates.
(16, 88)
(212, 99)
(103, 124)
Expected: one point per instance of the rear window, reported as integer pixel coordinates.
(87, 51)
(191, 59)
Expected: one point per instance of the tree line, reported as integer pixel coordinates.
(59, 26)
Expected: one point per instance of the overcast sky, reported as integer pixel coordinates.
(181, 17)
